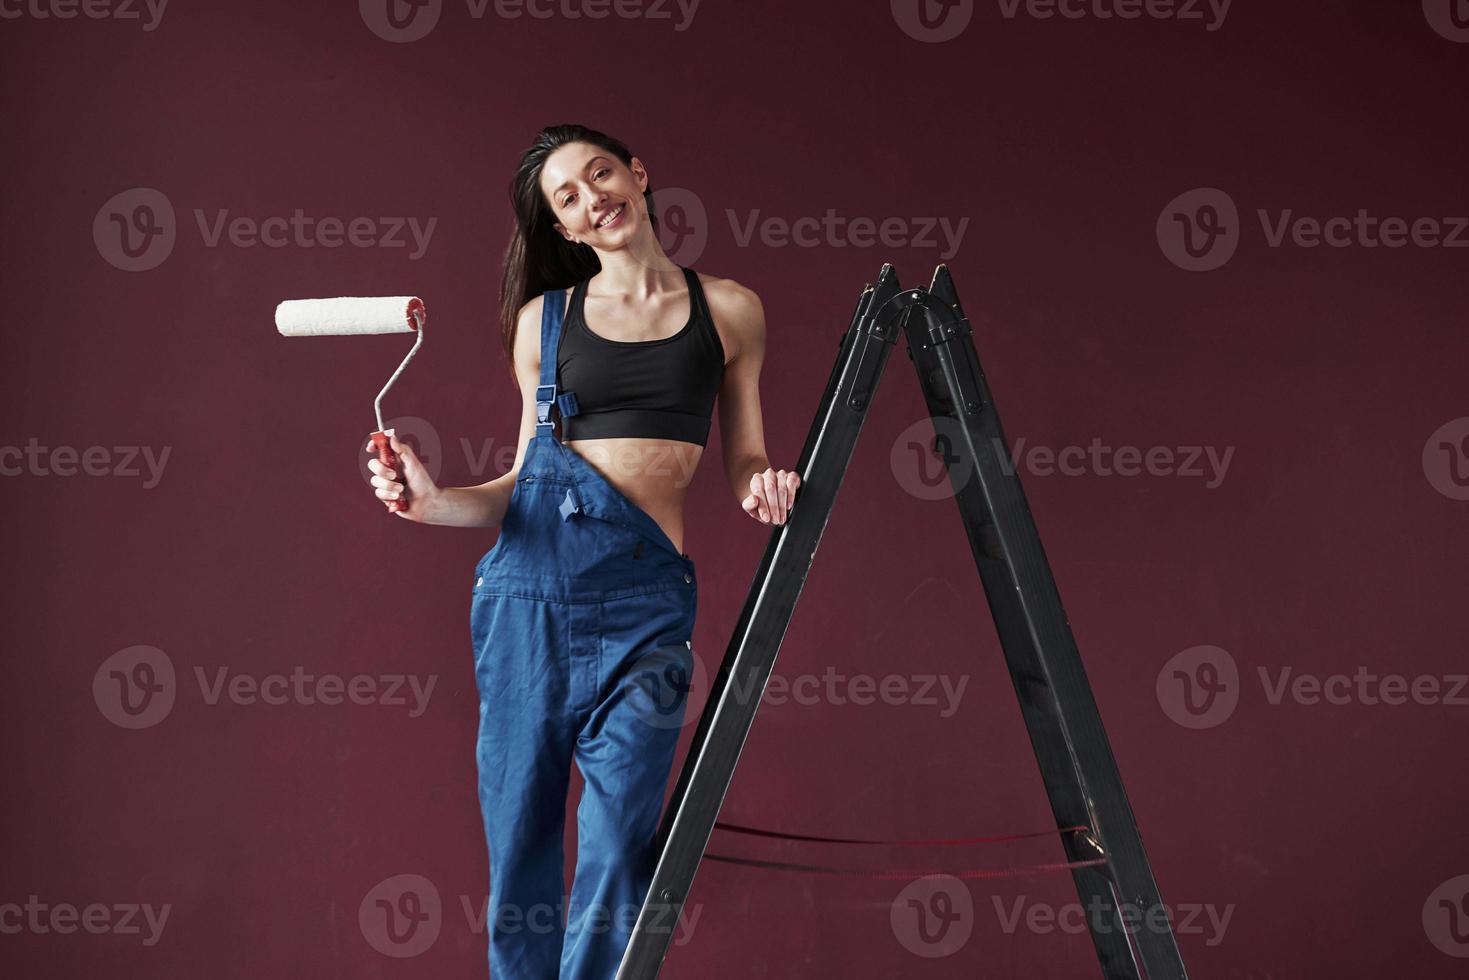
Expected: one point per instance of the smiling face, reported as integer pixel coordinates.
(593, 197)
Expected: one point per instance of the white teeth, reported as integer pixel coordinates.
(614, 214)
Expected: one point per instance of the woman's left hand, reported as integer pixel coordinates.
(771, 495)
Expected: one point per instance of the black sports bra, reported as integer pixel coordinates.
(656, 389)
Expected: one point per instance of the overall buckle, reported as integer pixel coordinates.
(543, 404)
(565, 403)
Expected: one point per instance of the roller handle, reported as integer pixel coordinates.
(388, 458)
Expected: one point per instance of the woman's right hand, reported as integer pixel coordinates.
(388, 483)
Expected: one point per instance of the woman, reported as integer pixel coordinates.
(587, 592)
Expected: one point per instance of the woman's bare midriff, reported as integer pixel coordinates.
(653, 473)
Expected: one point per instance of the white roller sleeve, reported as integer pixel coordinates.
(348, 315)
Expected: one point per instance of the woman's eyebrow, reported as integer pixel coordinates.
(584, 169)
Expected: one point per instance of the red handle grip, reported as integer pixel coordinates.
(388, 458)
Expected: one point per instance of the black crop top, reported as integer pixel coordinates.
(656, 389)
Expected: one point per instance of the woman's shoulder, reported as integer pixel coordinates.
(528, 331)
(533, 308)
(729, 296)
(738, 313)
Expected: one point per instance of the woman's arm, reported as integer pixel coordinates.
(483, 505)
(762, 491)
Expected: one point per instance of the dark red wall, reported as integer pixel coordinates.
(1073, 150)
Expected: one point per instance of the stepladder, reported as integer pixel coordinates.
(1093, 816)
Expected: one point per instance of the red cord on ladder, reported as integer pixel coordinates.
(909, 842)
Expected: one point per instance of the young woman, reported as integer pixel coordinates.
(587, 591)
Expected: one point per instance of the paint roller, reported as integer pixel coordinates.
(360, 315)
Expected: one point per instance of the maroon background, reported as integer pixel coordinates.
(1326, 547)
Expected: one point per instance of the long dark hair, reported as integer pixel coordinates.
(538, 258)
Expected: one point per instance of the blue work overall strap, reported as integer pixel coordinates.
(553, 304)
(552, 314)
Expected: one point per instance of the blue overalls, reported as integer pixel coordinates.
(582, 620)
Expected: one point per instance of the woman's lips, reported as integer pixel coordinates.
(621, 213)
